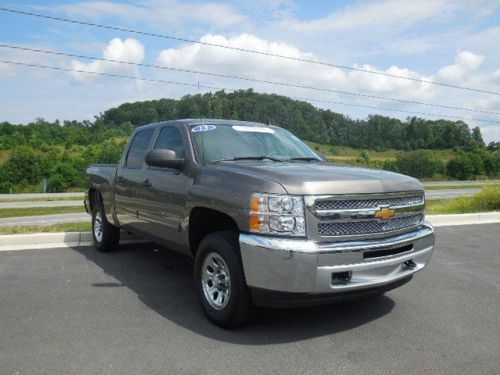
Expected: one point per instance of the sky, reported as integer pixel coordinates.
(450, 41)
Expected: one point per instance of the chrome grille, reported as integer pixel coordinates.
(369, 226)
(353, 204)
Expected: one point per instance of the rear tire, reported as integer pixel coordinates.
(106, 236)
(220, 280)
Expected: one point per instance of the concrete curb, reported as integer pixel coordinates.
(464, 219)
(10, 242)
(54, 240)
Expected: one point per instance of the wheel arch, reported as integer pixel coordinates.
(95, 197)
(203, 221)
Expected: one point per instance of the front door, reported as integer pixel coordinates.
(166, 189)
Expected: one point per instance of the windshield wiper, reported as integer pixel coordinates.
(306, 159)
(247, 158)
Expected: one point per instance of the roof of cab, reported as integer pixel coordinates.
(201, 121)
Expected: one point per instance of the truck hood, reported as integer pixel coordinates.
(325, 178)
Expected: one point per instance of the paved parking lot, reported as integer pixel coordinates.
(76, 311)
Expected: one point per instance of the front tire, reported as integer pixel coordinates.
(220, 281)
(106, 236)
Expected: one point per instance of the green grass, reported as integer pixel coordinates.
(67, 227)
(486, 200)
(342, 153)
(16, 212)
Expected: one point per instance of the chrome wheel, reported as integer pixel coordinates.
(216, 281)
(98, 227)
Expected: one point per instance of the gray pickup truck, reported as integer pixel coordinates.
(266, 219)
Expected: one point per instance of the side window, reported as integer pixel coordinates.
(138, 148)
(171, 138)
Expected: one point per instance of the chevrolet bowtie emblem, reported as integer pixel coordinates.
(385, 213)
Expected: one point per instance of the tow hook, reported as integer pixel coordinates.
(409, 264)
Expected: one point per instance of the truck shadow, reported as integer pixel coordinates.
(162, 280)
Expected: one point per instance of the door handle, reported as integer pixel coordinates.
(147, 183)
(120, 179)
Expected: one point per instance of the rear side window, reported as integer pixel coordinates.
(171, 138)
(137, 151)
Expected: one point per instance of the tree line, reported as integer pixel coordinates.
(60, 151)
(303, 119)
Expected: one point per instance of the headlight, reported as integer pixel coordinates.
(277, 214)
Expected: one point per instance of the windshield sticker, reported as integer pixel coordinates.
(203, 128)
(253, 129)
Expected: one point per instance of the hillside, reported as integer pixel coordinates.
(60, 152)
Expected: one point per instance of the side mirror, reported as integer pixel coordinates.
(164, 158)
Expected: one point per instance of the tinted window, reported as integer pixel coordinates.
(138, 148)
(171, 138)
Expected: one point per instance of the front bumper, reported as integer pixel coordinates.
(305, 267)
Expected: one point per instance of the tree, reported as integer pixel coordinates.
(5, 186)
(491, 164)
(477, 137)
(418, 164)
(461, 167)
(22, 164)
(493, 146)
(57, 183)
(43, 149)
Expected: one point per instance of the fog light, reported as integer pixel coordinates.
(341, 277)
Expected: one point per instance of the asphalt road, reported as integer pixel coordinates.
(43, 219)
(41, 196)
(41, 204)
(77, 311)
(68, 218)
(430, 194)
(450, 193)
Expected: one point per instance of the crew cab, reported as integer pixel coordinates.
(266, 219)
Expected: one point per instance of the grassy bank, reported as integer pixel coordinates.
(17, 212)
(342, 153)
(486, 200)
(68, 227)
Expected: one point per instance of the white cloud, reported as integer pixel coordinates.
(6, 71)
(465, 62)
(229, 62)
(129, 50)
(389, 30)
(496, 74)
(487, 9)
(373, 14)
(158, 13)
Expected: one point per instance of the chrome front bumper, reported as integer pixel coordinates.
(304, 266)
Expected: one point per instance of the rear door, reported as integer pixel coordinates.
(166, 189)
(129, 181)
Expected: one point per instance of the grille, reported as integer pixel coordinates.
(369, 226)
(368, 203)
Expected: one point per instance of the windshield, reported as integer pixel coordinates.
(219, 142)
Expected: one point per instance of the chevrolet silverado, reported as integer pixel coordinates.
(266, 219)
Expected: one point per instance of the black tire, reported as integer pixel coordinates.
(238, 308)
(109, 238)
